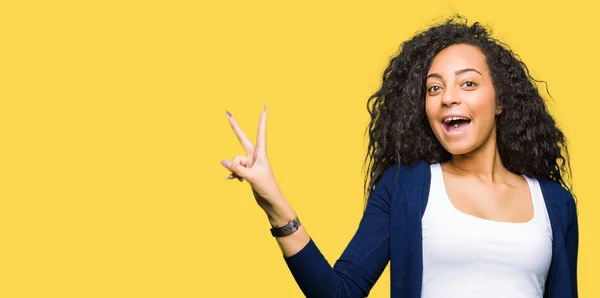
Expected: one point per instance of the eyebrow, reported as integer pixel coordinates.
(458, 72)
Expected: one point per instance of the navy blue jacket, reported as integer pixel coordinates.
(390, 230)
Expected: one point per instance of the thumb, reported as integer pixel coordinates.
(237, 166)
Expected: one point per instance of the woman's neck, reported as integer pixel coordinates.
(484, 163)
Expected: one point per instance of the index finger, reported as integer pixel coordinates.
(239, 133)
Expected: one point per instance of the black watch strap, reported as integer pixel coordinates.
(287, 229)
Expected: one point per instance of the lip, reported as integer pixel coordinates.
(455, 115)
(456, 131)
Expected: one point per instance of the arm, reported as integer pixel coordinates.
(361, 263)
(363, 260)
(572, 244)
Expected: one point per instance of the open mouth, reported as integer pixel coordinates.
(455, 123)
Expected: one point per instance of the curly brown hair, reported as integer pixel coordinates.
(528, 139)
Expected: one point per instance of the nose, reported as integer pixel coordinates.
(450, 97)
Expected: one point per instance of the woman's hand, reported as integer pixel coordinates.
(254, 167)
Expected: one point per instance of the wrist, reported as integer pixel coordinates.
(280, 215)
(287, 229)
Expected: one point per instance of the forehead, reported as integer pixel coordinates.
(458, 57)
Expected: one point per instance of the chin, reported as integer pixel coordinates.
(459, 149)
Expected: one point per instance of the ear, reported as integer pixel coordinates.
(499, 110)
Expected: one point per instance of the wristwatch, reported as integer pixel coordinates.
(287, 229)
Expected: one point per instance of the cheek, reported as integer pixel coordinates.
(430, 110)
(490, 109)
(485, 109)
(482, 102)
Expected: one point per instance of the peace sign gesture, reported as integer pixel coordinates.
(254, 167)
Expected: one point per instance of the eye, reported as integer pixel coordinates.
(433, 89)
(469, 84)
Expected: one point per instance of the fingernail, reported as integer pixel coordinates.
(265, 108)
(226, 163)
(228, 114)
(229, 177)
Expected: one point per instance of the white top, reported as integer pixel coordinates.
(465, 256)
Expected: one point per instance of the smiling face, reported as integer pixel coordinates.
(461, 100)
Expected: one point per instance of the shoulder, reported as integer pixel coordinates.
(555, 193)
(407, 171)
(558, 198)
(405, 179)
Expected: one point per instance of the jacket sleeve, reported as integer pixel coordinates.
(572, 244)
(363, 260)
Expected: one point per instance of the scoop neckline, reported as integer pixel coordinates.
(456, 210)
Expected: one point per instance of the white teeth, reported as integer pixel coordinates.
(447, 120)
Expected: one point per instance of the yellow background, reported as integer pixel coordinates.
(112, 128)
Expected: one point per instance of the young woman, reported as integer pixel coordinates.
(466, 194)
